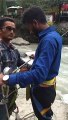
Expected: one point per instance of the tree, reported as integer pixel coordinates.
(42, 3)
(3, 7)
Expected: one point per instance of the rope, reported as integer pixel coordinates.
(65, 33)
(28, 116)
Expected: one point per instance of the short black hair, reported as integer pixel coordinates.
(4, 19)
(32, 13)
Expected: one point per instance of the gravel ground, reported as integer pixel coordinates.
(60, 109)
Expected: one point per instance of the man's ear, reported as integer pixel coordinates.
(0, 31)
(35, 22)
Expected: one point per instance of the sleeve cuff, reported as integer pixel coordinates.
(12, 80)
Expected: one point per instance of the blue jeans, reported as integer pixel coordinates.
(3, 115)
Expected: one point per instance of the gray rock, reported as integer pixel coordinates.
(20, 41)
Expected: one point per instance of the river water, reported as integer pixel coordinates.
(62, 78)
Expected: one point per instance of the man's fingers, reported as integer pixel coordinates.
(32, 56)
(23, 69)
(1, 79)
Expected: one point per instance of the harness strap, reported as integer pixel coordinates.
(44, 111)
(44, 84)
(49, 83)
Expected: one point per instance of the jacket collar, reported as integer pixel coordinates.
(9, 46)
(46, 31)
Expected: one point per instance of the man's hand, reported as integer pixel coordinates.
(1, 79)
(23, 69)
(32, 56)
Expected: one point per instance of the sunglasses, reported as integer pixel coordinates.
(9, 28)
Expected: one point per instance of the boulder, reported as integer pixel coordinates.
(20, 41)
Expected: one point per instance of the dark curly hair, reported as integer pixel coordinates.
(34, 13)
(4, 19)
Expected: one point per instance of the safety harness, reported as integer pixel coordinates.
(49, 83)
(46, 84)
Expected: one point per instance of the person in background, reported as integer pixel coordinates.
(9, 57)
(45, 68)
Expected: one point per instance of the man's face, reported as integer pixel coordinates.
(7, 32)
(33, 29)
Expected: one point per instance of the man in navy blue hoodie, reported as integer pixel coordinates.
(45, 68)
